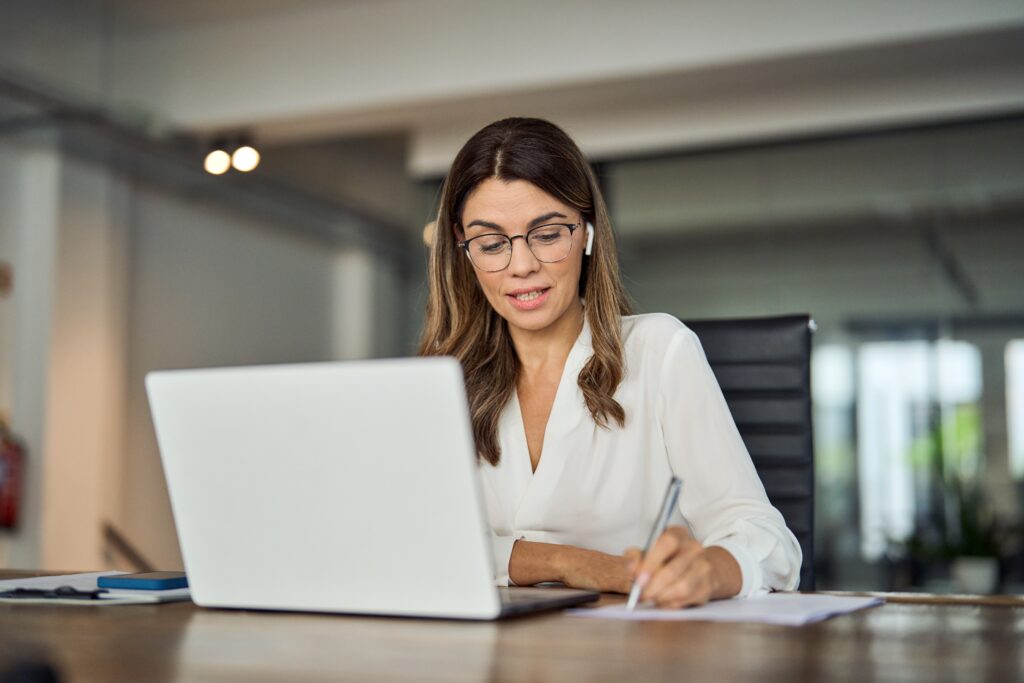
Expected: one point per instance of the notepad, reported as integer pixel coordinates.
(87, 582)
(785, 609)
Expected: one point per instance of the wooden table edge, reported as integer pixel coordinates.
(891, 597)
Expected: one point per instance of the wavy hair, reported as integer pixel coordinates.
(459, 320)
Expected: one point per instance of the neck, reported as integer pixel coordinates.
(540, 349)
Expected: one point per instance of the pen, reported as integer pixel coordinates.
(671, 496)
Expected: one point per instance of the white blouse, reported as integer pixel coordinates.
(602, 488)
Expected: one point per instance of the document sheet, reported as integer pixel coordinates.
(87, 582)
(787, 609)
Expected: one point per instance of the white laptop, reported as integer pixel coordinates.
(332, 487)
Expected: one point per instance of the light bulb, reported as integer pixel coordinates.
(245, 158)
(217, 162)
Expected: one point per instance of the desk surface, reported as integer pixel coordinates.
(928, 641)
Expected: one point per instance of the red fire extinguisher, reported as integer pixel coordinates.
(12, 460)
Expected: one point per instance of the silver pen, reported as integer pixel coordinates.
(667, 505)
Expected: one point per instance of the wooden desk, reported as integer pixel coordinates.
(906, 641)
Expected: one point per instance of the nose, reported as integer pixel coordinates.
(523, 261)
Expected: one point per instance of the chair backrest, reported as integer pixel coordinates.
(763, 367)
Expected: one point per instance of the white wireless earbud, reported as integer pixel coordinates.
(590, 239)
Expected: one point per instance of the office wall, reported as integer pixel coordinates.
(8, 243)
(365, 173)
(64, 367)
(29, 188)
(85, 374)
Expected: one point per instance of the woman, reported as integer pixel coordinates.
(581, 412)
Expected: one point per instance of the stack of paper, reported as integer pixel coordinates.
(787, 609)
(87, 582)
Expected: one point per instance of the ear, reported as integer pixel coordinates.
(590, 239)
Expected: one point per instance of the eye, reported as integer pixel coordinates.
(548, 235)
(489, 244)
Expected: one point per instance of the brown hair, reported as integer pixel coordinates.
(459, 320)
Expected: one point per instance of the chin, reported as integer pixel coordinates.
(533, 321)
(528, 322)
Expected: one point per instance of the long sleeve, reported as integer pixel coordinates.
(501, 546)
(723, 500)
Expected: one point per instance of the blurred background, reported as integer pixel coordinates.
(861, 162)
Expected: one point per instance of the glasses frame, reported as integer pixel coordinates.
(464, 244)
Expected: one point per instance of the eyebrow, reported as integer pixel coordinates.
(539, 220)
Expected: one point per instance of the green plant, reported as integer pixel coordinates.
(946, 460)
(977, 532)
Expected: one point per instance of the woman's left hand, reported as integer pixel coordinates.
(679, 572)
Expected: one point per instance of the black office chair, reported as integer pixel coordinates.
(763, 367)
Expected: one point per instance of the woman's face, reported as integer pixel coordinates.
(529, 294)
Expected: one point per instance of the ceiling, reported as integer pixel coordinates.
(155, 15)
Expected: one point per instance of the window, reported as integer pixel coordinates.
(918, 419)
(1015, 405)
(832, 378)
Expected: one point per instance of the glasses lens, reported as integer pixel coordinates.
(550, 243)
(490, 252)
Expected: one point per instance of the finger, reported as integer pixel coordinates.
(694, 585)
(692, 601)
(671, 572)
(632, 556)
(694, 598)
(671, 541)
(692, 588)
(664, 547)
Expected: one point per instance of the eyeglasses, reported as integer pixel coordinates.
(549, 243)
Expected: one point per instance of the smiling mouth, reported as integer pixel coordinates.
(529, 299)
(528, 296)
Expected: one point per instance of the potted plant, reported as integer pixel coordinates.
(973, 543)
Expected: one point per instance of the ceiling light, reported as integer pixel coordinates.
(217, 162)
(245, 158)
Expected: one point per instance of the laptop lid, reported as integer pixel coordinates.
(337, 487)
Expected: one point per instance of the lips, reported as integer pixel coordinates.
(528, 299)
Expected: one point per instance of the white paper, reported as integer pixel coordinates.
(87, 582)
(786, 609)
